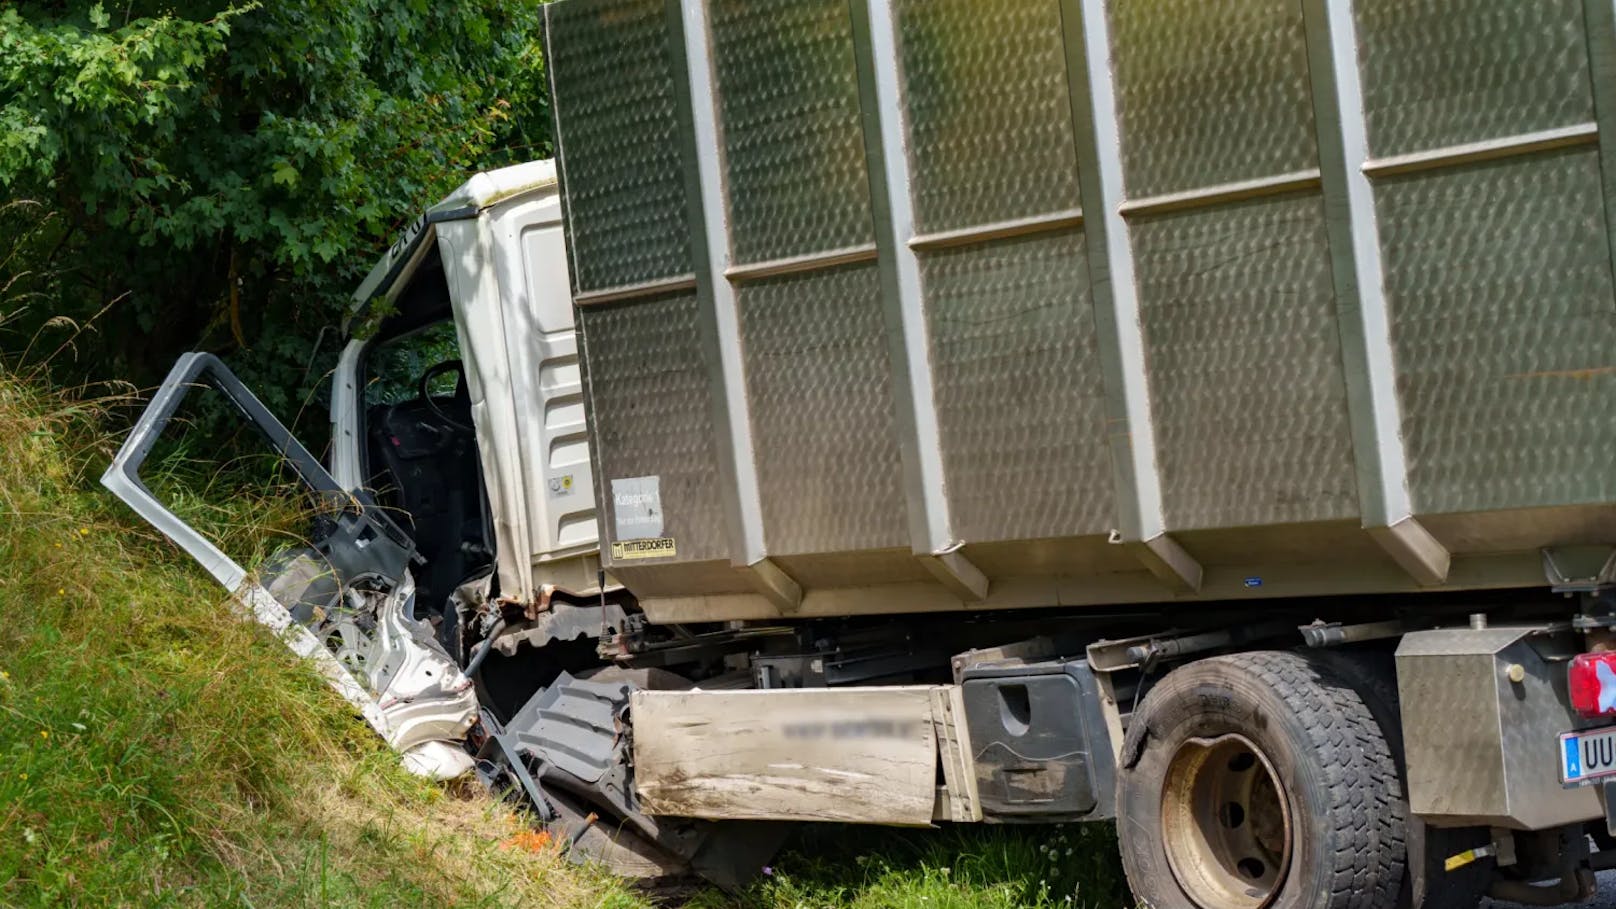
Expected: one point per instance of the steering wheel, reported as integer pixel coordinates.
(424, 390)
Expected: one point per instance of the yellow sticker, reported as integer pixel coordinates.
(660, 548)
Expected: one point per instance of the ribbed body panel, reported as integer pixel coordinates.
(821, 402)
(649, 413)
(1451, 72)
(930, 285)
(626, 200)
(1240, 327)
(1210, 93)
(986, 81)
(1012, 321)
(794, 155)
(1505, 333)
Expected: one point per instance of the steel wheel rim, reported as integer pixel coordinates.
(1226, 825)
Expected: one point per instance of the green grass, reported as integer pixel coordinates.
(157, 751)
(966, 867)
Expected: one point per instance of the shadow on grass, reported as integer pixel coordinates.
(964, 867)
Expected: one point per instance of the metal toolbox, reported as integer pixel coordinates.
(1483, 710)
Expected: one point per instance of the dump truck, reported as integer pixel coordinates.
(1195, 416)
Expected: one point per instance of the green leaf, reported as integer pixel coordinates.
(285, 174)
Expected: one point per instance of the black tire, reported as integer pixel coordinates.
(1374, 676)
(1326, 755)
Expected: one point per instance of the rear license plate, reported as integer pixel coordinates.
(1588, 755)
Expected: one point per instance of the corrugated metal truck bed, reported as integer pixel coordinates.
(908, 305)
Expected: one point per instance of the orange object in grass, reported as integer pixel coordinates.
(535, 841)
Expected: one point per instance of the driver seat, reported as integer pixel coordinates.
(427, 449)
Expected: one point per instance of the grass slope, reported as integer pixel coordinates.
(964, 867)
(157, 751)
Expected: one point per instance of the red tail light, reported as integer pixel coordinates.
(1592, 679)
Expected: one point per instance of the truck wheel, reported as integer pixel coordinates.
(1374, 676)
(1257, 780)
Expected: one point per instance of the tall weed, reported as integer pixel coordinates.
(157, 750)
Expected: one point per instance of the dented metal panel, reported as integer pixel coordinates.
(1050, 302)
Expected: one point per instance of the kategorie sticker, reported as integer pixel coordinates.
(637, 508)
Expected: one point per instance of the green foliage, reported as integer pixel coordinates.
(395, 366)
(102, 103)
(219, 176)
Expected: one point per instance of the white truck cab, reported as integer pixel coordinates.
(483, 479)
(492, 258)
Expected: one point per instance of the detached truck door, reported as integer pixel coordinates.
(405, 686)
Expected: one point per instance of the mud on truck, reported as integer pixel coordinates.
(1197, 416)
